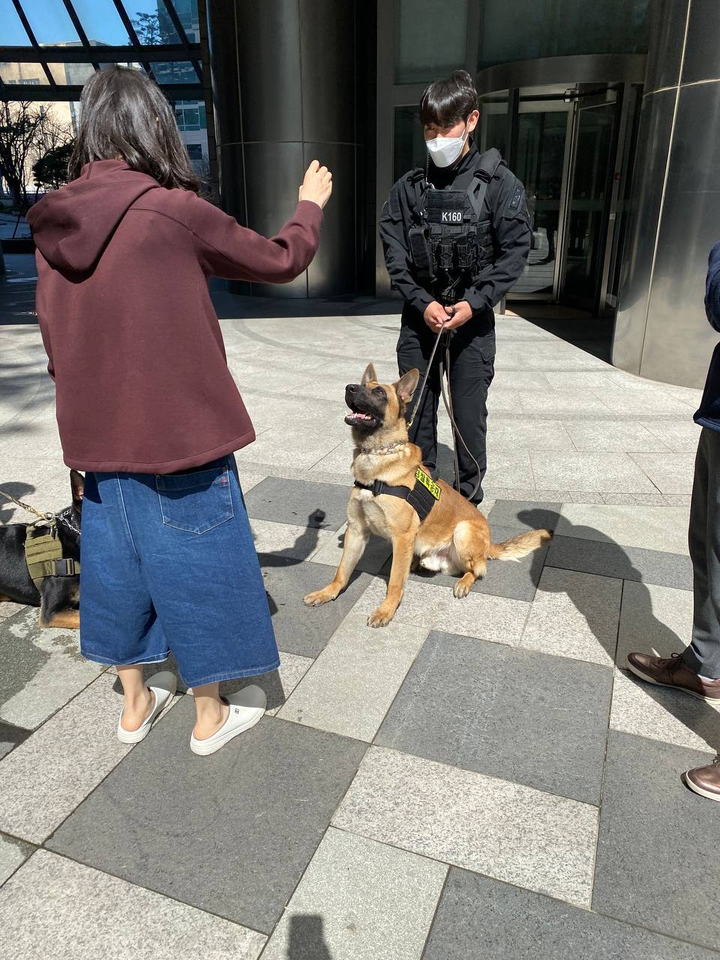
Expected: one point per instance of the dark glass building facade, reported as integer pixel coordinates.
(607, 111)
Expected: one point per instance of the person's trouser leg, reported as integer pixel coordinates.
(703, 654)
(413, 350)
(472, 367)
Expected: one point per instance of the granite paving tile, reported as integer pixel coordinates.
(670, 472)
(288, 540)
(299, 502)
(13, 853)
(511, 713)
(359, 900)
(590, 472)
(303, 630)
(48, 775)
(54, 907)
(663, 714)
(483, 919)
(10, 737)
(577, 401)
(575, 615)
(9, 609)
(259, 807)
(248, 480)
(540, 434)
(338, 460)
(654, 619)
(372, 561)
(638, 403)
(353, 682)
(678, 435)
(509, 468)
(609, 436)
(478, 615)
(650, 527)
(298, 451)
(610, 559)
(519, 514)
(655, 859)
(277, 685)
(491, 826)
(40, 670)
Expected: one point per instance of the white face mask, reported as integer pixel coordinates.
(444, 151)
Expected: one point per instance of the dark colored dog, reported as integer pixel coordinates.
(58, 597)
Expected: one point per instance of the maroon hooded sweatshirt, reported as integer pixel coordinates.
(134, 343)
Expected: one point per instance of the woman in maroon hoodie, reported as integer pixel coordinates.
(147, 407)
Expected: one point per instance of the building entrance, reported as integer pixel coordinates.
(571, 148)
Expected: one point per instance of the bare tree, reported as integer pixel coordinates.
(28, 131)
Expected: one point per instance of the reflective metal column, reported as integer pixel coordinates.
(661, 330)
(288, 89)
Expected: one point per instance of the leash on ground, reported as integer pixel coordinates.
(447, 399)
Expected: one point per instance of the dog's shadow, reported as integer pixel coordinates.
(658, 639)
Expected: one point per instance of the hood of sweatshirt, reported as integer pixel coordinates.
(72, 226)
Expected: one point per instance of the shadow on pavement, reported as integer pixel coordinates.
(696, 715)
(306, 940)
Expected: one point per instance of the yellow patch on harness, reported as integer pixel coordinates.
(427, 481)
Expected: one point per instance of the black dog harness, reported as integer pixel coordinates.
(422, 497)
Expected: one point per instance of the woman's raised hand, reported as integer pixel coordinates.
(317, 185)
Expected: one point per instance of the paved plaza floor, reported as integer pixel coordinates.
(481, 779)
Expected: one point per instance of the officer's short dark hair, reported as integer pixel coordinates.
(447, 102)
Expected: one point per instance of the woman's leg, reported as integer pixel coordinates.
(138, 699)
(210, 711)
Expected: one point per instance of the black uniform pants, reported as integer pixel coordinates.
(472, 367)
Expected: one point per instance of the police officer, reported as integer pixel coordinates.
(456, 237)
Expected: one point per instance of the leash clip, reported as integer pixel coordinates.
(46, 520)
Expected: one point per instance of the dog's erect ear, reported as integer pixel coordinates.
(407, 385)
(77, 484)
(368, 375)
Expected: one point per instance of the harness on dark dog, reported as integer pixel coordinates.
(422, 497)
(43, 547)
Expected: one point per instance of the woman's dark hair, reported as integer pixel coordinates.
(124, 113)
(447, 102)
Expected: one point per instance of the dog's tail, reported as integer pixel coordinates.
(519, 546)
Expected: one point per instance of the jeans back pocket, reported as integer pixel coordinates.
(196, 502)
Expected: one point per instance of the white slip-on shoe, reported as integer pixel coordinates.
(247, 707)
(162, 686)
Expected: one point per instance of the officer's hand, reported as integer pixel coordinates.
(434, 315)
(317, 185)
(460, 314)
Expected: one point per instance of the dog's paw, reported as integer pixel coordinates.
(461, 589)
(379, 618)
(318, 598)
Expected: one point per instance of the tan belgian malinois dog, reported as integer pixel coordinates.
(437, 527)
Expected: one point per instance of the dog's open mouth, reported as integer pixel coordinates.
(360, 418)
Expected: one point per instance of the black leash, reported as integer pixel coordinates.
(447, 399)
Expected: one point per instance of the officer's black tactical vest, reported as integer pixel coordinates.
(451, 240)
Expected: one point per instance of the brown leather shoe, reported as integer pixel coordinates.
(673, 672)
(705, 780)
